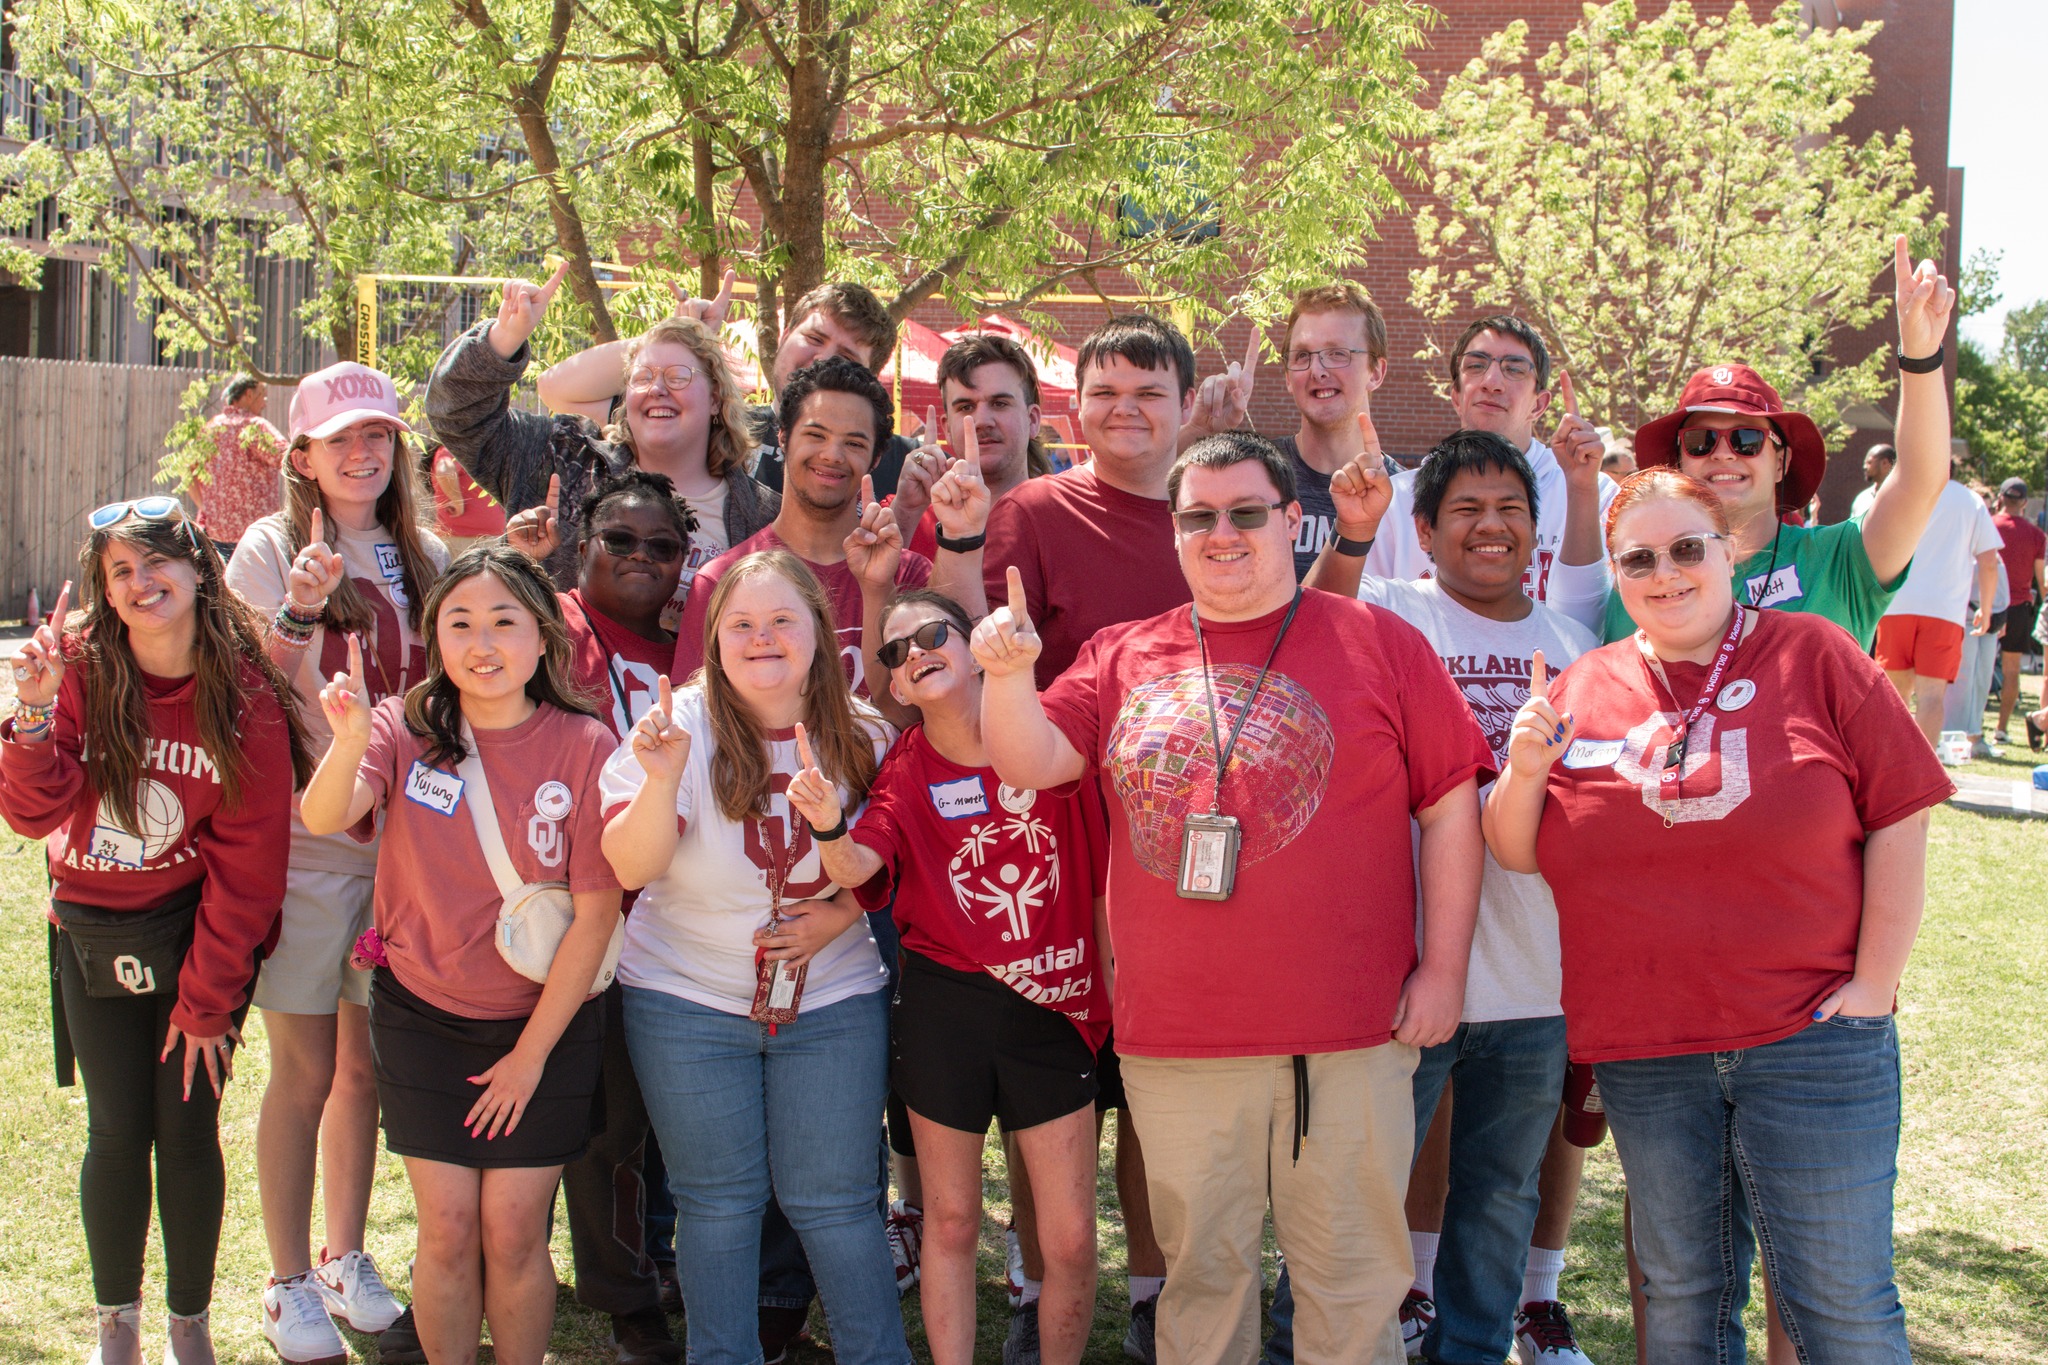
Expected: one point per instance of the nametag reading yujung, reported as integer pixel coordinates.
(432, 788)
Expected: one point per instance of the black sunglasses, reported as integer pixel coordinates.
(1746, 442)
(1687, 552)
(1199, 521)
(660, 549)
(927, 637)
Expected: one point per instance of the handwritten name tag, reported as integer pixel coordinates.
(432, 788)
(958, 799)
(118, 846)
(1592, 753)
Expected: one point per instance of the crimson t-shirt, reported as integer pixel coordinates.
(1356, 729)
(1090, 554)
(842, 589)
(2024, 543)
(619, 670)
(1725, 930)
(990, 877)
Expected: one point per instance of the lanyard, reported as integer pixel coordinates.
(1723, 656)
(1225, 749)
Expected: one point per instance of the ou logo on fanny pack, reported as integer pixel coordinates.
(1644, 766)
(133, 976)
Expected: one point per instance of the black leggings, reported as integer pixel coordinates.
(135, 1104)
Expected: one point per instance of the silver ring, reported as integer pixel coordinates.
(22, 672)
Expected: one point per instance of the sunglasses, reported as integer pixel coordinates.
(1199, 521)
(927, 637)
(660, 549)
(1746, 442)
(674, 378)
(1686, 552)
(159, 507)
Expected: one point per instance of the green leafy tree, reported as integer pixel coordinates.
(2026, 340)
(1661, 194)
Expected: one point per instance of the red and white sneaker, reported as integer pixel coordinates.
(1543, 1336)
(905, 1230)
(1013, 1269)
(1418, 1311)
(353, 1292)
(296, 1323)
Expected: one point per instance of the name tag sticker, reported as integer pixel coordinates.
(1592, 753)
(960, 798)
(432, 788)
(1782, 586)
(389, 564)
(114, 845)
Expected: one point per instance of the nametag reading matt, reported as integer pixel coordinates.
(433, 788)
(1782, 586)
(958, 799)
(114, 845)
(1592, 753)
(1208, 857)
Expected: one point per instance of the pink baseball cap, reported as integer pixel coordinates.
(340, 396)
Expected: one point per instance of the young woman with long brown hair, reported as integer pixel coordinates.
(162, 835)
(755, 1005)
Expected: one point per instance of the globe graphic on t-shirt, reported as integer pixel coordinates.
(1162, 761)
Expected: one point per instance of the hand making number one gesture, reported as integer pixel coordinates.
(661, 745)
(316, 570)
(1925, 302)
(346, 702)
(1360, 490)
(810, 794)
(536, 531)
(1225, 400)
(1540, 736)
(1576, 444)
(875, 547)
(521, 311)
(960, 499)
(39, 663)
(1005, 643)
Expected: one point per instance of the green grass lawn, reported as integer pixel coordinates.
(1972, 1204)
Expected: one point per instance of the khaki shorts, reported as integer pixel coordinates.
(308, 972)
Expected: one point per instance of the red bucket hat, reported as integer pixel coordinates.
(1741, 390)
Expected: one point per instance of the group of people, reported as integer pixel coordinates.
(781, 800)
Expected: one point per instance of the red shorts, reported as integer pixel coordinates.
(1920, 644)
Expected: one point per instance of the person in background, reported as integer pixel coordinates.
(1618, 459)
(1878, 462)
(2023, 553)
(162, 836)
(239, 484)
(1747, 1058)
(1335, 345)
(1964, 703)
(463, 512)
(989, 384)
(1926, 627)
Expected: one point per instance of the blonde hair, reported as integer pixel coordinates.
(728, 446)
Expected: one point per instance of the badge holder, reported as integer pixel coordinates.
(778, 987)
(1208, 857)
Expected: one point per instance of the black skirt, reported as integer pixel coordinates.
(424, 1057)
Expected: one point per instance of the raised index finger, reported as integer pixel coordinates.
(63, 602)
(554, 493)
(1539, 677)
(1571, 395)
(315, 532)
(1019, 608)
(867, 489)
(1902, 261)
(547, 291)
(664, 696)
(803, 747)
(1369, 434)
(1251, 352)
(970, 446)
(355, 662)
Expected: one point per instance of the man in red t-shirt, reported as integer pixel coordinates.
(2025, 546)
(1261, 753)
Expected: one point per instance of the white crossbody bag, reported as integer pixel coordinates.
(533, 916)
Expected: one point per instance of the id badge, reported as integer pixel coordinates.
(1208, 857)
(778, 991)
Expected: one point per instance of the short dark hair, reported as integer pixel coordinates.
(237, 385)
(1461, 451)
(1508, 326)
(636, 485)
(855, 305)
(970, 353)
(1883, 451)
(836, 374)
(1225, 449)
(1142, 340)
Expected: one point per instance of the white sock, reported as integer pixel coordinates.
(1539, 1281)
(1032, 1289)
(1422, 1245)
(1145, 1287)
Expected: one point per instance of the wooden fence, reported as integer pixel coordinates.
(75, 435)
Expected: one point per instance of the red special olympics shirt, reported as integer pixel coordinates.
(619, 670)
(842, 589)
(1357, 728)
(1725, 930)
(988, 877)
(187, 834)
(437, 903)
(1090, 554)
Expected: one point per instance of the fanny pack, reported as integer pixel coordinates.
(130, 952)
(533, 917)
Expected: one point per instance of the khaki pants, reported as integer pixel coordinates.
(1218, 1135)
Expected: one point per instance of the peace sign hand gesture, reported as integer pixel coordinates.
(711, 312)
(346, 702)
(1925, 302)
(536, 531)
(39, 663)
(810, 795)
(661, 745)
(1540, 736)
(876, 546)
(521, 311)
(1005, 642)
(316, 572)
(960, 499)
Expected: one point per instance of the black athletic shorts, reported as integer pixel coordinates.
(2019, 629)
(965, 1048)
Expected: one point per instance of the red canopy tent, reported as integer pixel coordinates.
(1057, 381)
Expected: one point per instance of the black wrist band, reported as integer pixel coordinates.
(826, 836)
(964, 544)
(1924, 365)
(1357, 549)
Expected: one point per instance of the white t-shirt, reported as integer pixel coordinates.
(1397, 555)
(691, 933)
(1514, 971)
(1945, 562)
(1860, 507)
(707, 543)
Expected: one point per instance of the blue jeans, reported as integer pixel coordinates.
(744, 1114)
(1793, 1146)
(1510, 1076)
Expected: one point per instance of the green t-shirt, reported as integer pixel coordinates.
(1821, 569)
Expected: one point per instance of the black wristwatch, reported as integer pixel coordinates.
(826, 836)
(1357, 549)
(1924, 365)
(964, 544)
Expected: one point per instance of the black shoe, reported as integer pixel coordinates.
(399, 1344)
(643, 1338)
(780, 1329)
(1140, 1335)
(1021, 1346)
(671, 1287)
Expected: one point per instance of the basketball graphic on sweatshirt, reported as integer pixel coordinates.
(161, 816)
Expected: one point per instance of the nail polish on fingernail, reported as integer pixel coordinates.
(1820, 1014)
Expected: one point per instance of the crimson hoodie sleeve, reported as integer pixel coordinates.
(243, 851)
(40, 783)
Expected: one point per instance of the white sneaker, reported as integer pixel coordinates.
(1013, 1269)
(1543, 1336)
(905, 1230)
(297, 1326)
(1418, 1312)
(354, 1292)
(120, 1334)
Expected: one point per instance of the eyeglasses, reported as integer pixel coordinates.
(1686, 552)
(1746, 442)
(1199, 521)
(660, 549)
(1332, 358)
(927, 637)
(674, 378)
(1475, 364)
(159, 507)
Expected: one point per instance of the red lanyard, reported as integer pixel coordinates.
(1723, 656)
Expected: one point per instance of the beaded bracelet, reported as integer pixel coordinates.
(29, 716)
(304, 617)
(290, 630)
